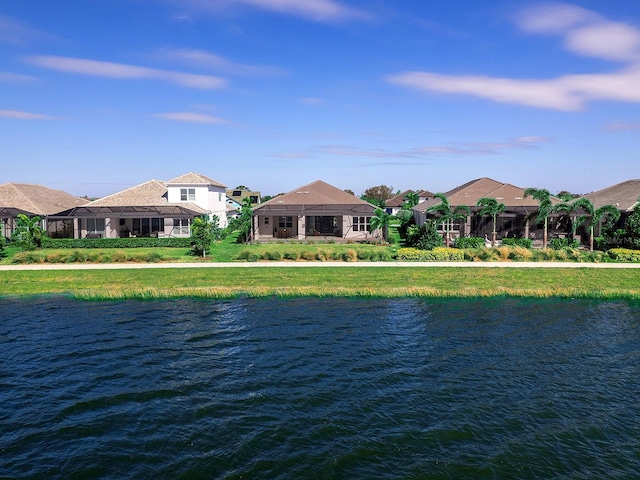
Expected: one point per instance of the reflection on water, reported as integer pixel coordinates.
(320, 388)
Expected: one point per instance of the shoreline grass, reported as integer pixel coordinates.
(391, 282)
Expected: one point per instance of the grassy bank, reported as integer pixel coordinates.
(329, 281)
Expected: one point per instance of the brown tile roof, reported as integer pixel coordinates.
(398, 200)
(192, 178)
(315, 193)
(148, 194)
(469, 193)
(623, 195)
(36, 199)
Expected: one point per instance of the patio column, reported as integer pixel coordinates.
(301, 226)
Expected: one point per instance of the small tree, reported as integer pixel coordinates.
(595, 215)
(424, 237)
(632, 226)
(203, 233)
(490, 206)
(378, 195)
(446, 215)
(28, 233)
(380, 221)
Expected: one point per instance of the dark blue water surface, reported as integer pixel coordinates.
(319, 388)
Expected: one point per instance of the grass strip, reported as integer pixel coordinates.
(325, 282)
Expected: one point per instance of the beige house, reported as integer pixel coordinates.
(154, 208)
(315, 210)
(36, 200)
(515, 221)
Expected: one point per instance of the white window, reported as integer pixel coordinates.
(181, 226)
(361, 224)
(188, 194)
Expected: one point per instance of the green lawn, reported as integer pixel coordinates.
(327, 281)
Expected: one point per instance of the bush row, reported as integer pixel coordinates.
(84, 256)
(624, 255)
(322, 255)
(439, 254)
(137, 242)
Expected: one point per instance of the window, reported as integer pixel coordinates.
(147, 226)
(95, 225)
(254, 198)
(285, 222)
(361, 224)
(237, 193)
(266, 220)
(188, 194)
(181, 226)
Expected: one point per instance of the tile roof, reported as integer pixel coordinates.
(315, 193)
(192, 178)
(36, 199)
(623, 195)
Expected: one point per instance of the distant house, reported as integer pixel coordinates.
(515, 221)
(394, 204)
(314, 210)
(153, 208)
(238, 195)
(36, 200)
(623, 196)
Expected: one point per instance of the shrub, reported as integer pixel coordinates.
(274, 255)
(364, 254)
(469, 242)
(437, 254)
(308, 255)
(137, 242)
(425, 237)
(560, 243)
(350, 255)
(290, 256)
(520, 253)
(624, 254)
(519, 242)
(243, 255)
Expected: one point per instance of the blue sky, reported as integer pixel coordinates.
(100, 95)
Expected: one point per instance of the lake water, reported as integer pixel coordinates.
(319, 388)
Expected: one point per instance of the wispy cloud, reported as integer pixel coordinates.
(122, 71)
(191, 117)
(621, 127)
(327, 11)
(8, 77)
(312, 101)
(462, 149)
(212, 61)
(585, 33)
(19, 115)
(15, 32)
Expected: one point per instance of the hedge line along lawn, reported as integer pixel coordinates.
(233, 282)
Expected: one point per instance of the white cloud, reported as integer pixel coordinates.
(18, 115)
(14, 32)
(621, 127)
(122, 71)
(585, 33)
(8, 77)
(190, 117)
(212, 61)
(317, 10)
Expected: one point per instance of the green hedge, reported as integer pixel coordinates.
(560, 243)
(518, 242)
(469, 242)
(438, 254)
(137, 242)
(624, 254)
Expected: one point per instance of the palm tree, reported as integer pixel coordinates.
(28, 232)
(411, 199)
(380, 220)
(490, 206)
(447, 216)
(569, 208)
(544, 208)
(596, 214)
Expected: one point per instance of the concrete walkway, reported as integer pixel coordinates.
(117, 266)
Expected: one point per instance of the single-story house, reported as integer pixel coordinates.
(515, 221)
(624, 196)
(153, 208)
(394, 204)
(36, 200)
(314, 210)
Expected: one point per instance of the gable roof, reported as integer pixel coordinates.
(398, 200)
(622, 195)
(469, 193)
(192, 178)
(315, 198)
(35, 199)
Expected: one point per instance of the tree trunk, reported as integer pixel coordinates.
(544, 233)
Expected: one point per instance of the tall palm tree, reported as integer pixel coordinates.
(596, 214)
(447, 215)
(490, 206)
(411, 199)
(380, 220)
(544, 208)
(571, 209)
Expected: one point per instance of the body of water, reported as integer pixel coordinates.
(319, 388)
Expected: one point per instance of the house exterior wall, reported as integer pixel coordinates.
(207, 197)
(348, 227)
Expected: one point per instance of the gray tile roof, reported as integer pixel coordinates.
(192, 178)
(622, 195)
